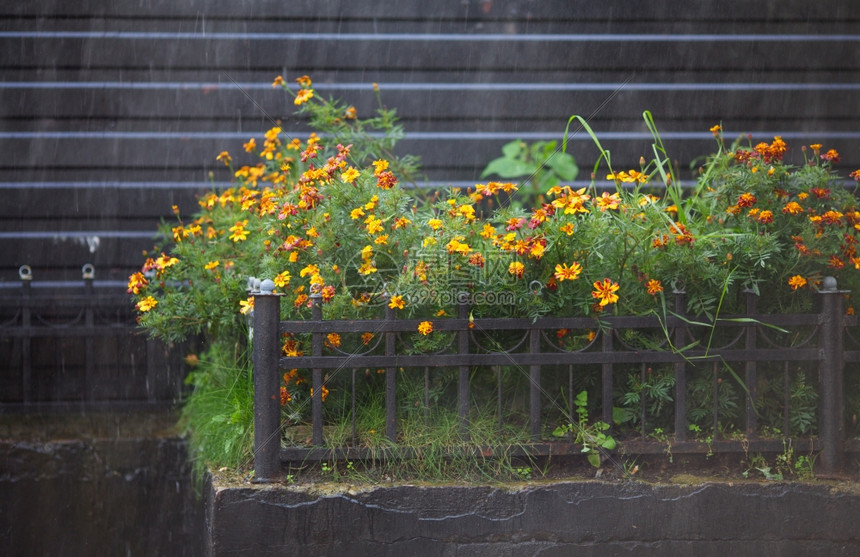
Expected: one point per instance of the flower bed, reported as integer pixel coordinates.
(330, 222)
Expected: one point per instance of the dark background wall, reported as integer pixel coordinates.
(112, 111)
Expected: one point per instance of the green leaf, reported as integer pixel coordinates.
(564, 165)
(513, 149)
(507, 168)
(594, 459)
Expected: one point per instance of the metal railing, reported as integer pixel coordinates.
(72, 345)
(750, 348)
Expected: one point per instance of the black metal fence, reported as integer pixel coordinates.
(748, 344)
(76, 345)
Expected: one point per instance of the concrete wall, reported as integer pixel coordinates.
(563, 519)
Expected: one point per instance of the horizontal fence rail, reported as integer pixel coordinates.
(746, 345)
(67, 346)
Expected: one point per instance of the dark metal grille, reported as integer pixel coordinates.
(748, 343)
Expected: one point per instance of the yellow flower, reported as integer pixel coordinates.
(304, 81)
(796, 282)
(792, 208)
(212, 265)
(563, 272)
(238, 231)
(250, 146)
(374, 225)
(350, 175)
(516, 269)
(435, 224)
(245, 306)
(607, 201)
(309, 270)
(146, 304)
(567, 228)
(401, 222)
(488, 231)
(279, 81)
(333, 340)
(282, 279)
(356, 213)
(303, 96)
(396, 302)
(605, 291)
(425, 328)
(379, 166)
(716, 130)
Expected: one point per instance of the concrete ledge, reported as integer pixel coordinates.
(567, 518)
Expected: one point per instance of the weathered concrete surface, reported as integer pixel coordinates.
(122, 492)
(561, 519)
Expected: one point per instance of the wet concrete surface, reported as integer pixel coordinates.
(588, 518)
(100, 484)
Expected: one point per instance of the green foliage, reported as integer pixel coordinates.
(541, 163)
(593, 437)
(218, 415)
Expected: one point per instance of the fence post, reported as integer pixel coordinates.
(25, 273)
(267, 402)
(750, 369)
(463, 375)
(88, 273)
(316, 373)
(390, 380)
(606, 373)
(831, 428)
(680, 370)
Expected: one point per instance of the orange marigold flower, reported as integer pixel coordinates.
(746, 200)
(224, 156)
(605, 292)
(435, 224)
(425, 328)
(303, 96)
(350, 113)
(396, 302)
(517, 269)
(835, 262)
(250, 146)
(816, 147)
(245, 306)
(136, 282)
(653, 286)
(385, 180)
(366, 338)
(563, 272)
(765, 217)
(831, 156)
(279, 81)
(855, 175)
(716, 130)
(212, 265)
(792, 208)
(796, 282)
(332, 340)
(477, 259)
(607, 201)
(304, 81)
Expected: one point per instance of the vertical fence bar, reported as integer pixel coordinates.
(463, 377)
(352, 411)
(570, 399)
(606, 372)
(716, 416)
(830, 421)
(267, 403)
(88, 274)
(534, 386)
(680, 372)
(426, 397)
(390, 381)
(642, 379)
(786, 394)
(316, 373)
(26, 276)
(750, 369)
